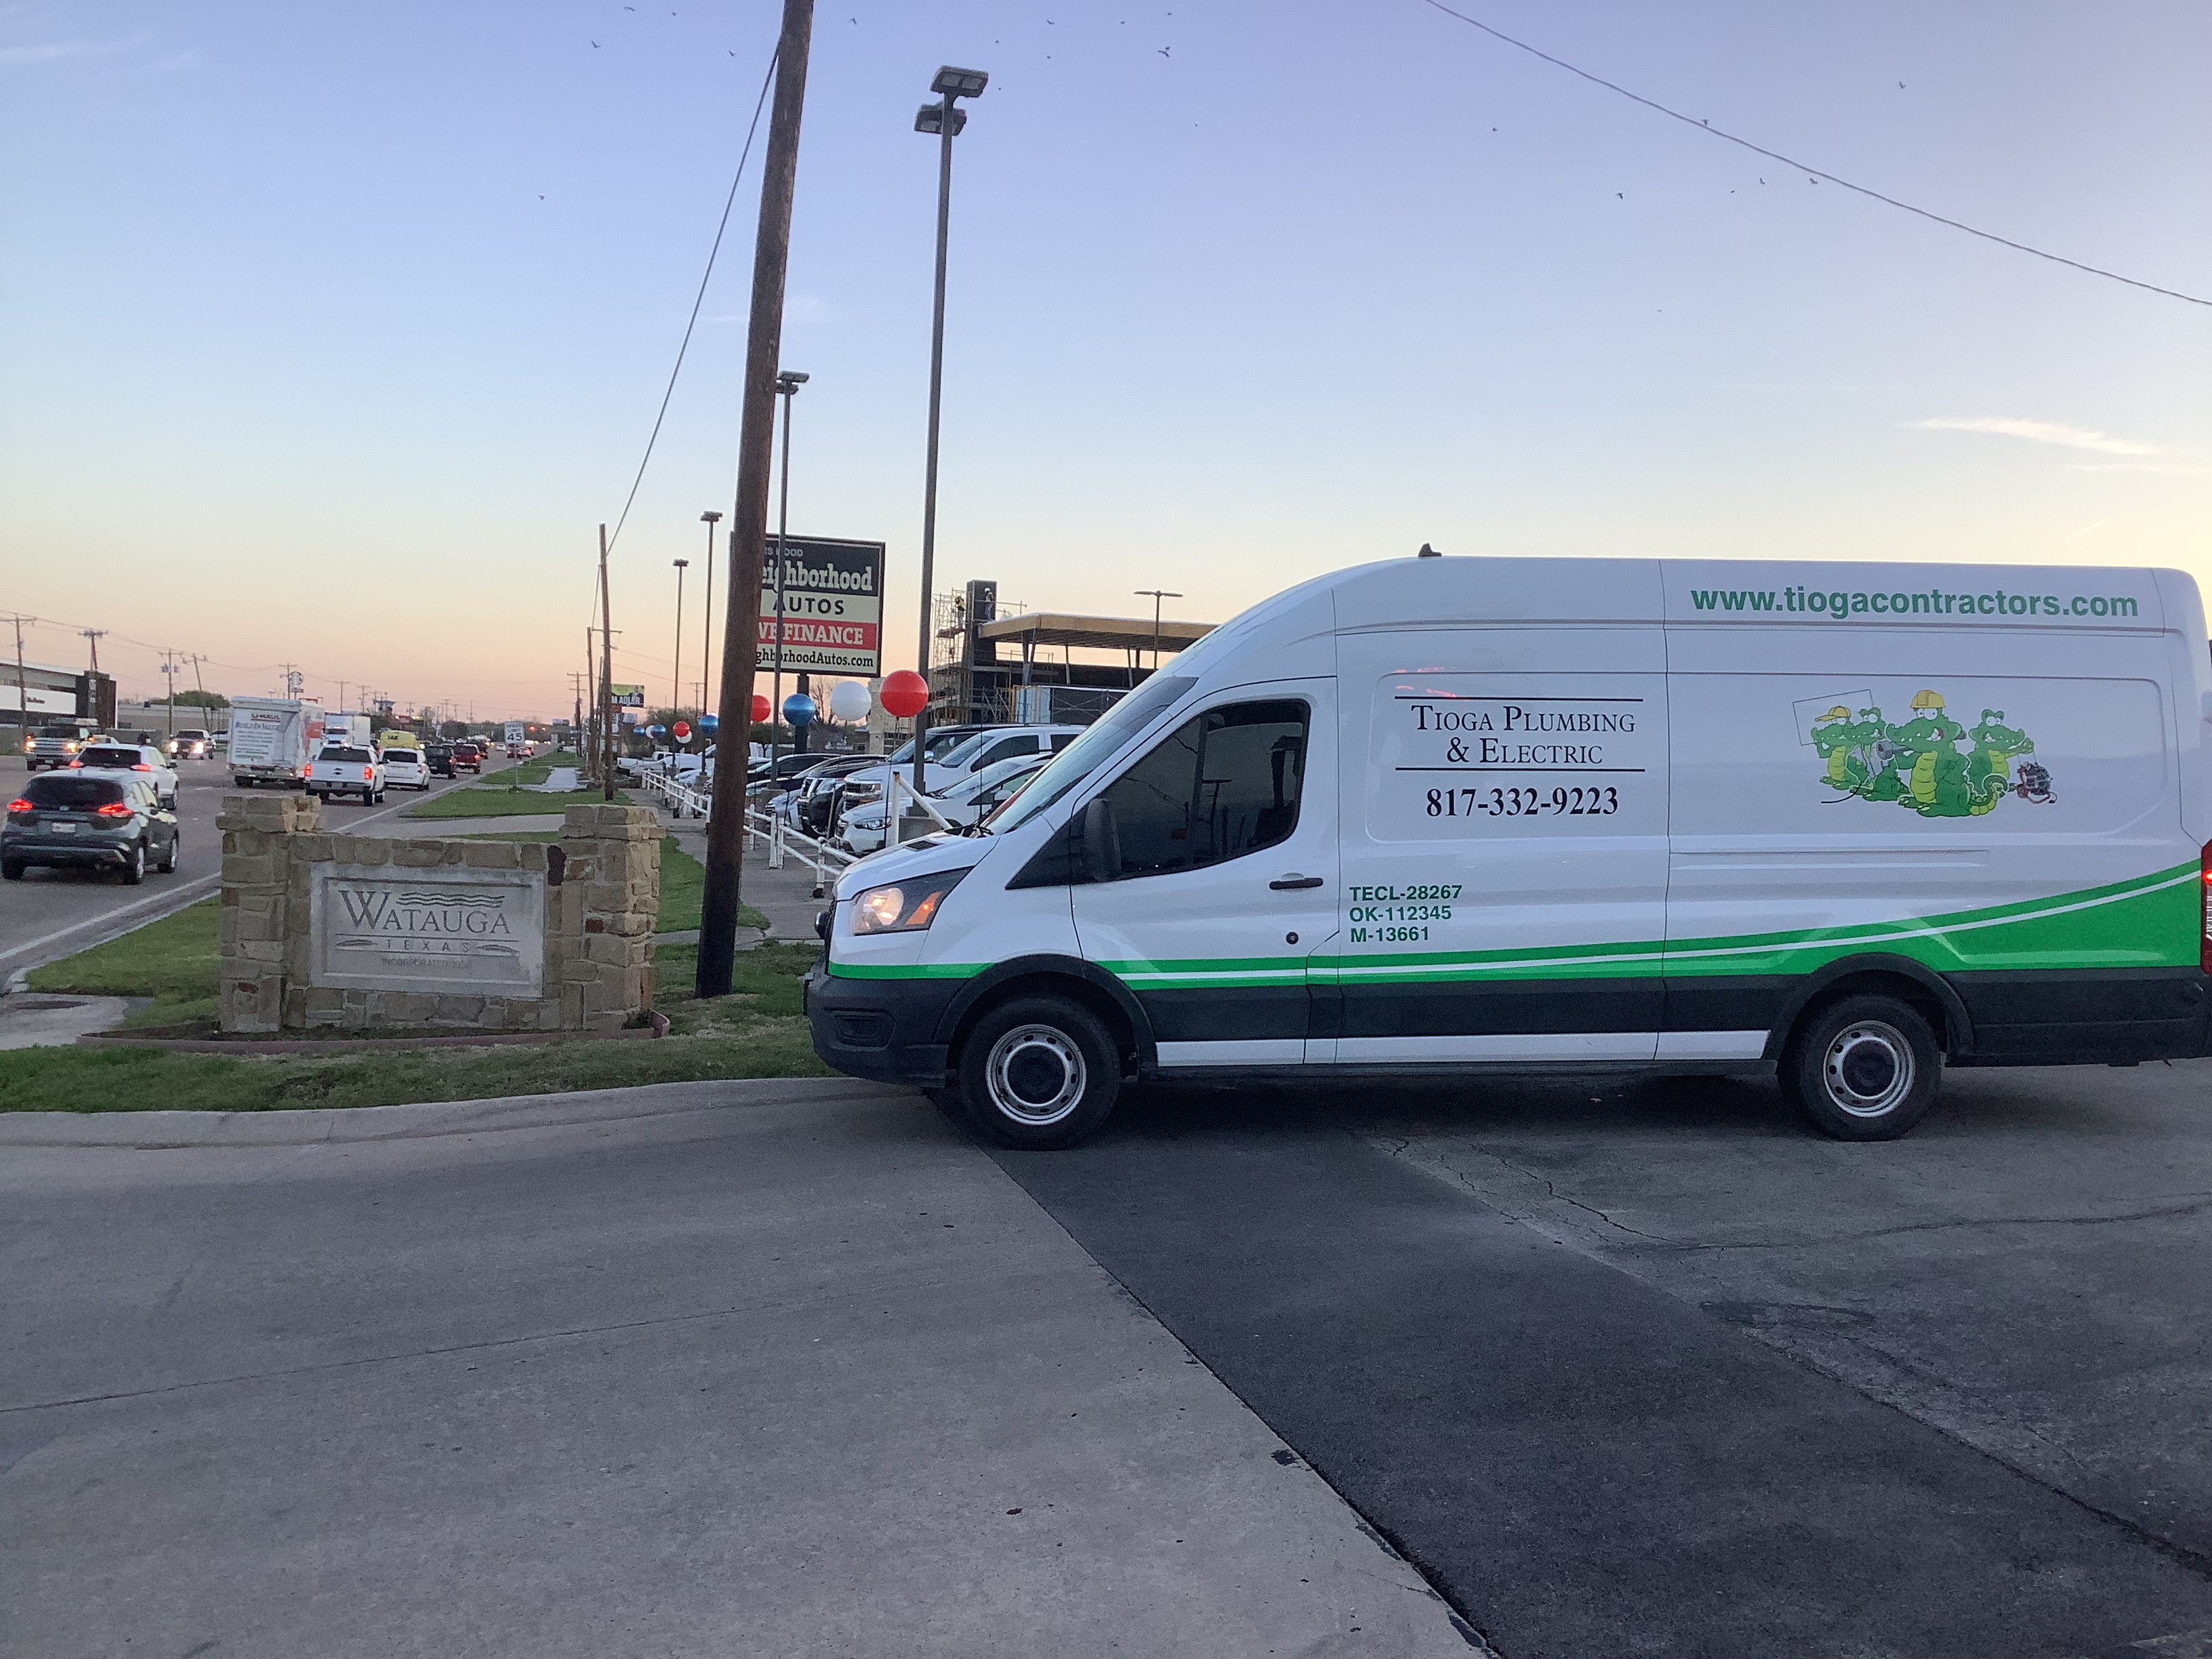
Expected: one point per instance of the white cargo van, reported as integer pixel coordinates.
(1843, 823)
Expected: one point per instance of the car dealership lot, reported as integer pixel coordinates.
(1622, 1368)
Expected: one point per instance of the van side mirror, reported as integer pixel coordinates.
(1102, 843)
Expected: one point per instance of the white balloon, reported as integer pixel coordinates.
(849, 701)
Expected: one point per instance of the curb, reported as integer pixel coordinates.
(656, 1025)
(350, 1125)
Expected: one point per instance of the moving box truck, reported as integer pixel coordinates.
(1841, 823)
(272, 739)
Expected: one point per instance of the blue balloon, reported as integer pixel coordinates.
(798, 708)
(708, 722)
(656, 730)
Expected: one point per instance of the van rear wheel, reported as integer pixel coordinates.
(1865, 1068)
(1039, 1072)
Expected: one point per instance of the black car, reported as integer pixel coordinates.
(101, 823)
(439, 758)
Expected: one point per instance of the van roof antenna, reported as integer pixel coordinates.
(1428, 552)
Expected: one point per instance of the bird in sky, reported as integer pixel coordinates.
(1163, 51)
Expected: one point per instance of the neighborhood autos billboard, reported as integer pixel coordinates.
(833, 606)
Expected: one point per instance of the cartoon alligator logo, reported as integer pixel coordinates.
(1918, 763)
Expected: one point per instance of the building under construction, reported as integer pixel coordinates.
(1024, 668)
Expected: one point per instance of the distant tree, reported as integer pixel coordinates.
(194, 699)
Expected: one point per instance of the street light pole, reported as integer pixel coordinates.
(945, 119)
(1157, 594)
(676, 674)
(707, 632)
(787, 383)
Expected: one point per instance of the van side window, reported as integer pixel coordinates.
(1222, 784)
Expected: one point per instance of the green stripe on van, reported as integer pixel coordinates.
(2148, 921)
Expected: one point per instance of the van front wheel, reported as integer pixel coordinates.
(1039, 1072)
(1866, 1068)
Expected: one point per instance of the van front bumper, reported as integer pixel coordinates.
(889, 1030)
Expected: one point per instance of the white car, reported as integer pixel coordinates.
(971, 800)
(988, 747)
(405, 769)
(141, 758)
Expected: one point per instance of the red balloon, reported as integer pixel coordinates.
(681, 729)
(760, 710)
(905, 694)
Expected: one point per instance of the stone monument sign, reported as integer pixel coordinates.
(359, 933)
(451, 929)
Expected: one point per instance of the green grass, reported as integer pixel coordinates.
(537, 771)
(754, 1031)
(142, 1080)
(682, 880)
(176, 961)
(496, 801)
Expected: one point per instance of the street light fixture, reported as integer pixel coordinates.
(788, 382)
(943, 120)
(707, 639)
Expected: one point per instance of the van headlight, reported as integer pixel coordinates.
(904, 906)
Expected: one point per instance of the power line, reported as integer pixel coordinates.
(699, 299)
(1776, 156)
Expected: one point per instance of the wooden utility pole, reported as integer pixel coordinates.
(22, 690)
(726, 820)
(606, 670)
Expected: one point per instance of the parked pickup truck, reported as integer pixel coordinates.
(348, 769)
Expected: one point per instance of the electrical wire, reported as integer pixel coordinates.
(760, 104)
(1776, 156)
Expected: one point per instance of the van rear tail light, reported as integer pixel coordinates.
(2204, 887)
(114, 809)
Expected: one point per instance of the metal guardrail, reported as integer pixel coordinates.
(782, 841)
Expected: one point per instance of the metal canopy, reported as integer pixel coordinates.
(1093, 633)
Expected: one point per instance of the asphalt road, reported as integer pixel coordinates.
(1647, 1370)
(52, 913)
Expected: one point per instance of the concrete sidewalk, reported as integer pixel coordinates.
(772, 1368)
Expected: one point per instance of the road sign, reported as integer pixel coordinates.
(833, 607)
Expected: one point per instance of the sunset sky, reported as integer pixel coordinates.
(330, 334)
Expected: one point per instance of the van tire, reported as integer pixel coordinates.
(167, 866)
(1864, 1068)
(134, 868)
(1039, 1072)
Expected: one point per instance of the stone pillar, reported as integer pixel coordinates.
(257, 901)
(605, 910)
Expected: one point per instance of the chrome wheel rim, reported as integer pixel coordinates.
(1869, 1068)
(1035, 1075)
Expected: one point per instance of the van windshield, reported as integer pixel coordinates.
(1115, 731)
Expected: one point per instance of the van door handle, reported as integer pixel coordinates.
(1287, 884)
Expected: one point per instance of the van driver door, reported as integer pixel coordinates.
(1224, 883)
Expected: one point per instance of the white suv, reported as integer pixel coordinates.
(405, 769)
(143, 758)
